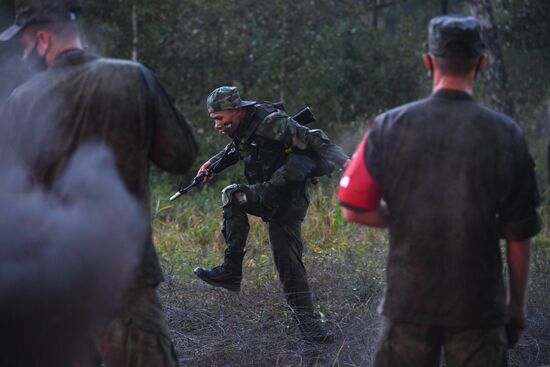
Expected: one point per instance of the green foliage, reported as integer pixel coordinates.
(318, 53)
(327, 54)
(524, 27)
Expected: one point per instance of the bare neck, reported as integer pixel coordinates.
(59, 48)
(461, 83)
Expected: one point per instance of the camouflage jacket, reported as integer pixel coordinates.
(267, 136)
(83, 97)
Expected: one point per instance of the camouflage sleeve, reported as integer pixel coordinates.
(174, 146)
(283, 128)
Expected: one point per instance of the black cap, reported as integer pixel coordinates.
(456, 30)
(29, 12)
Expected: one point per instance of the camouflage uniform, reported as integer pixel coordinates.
(276, 190)
(83, 97)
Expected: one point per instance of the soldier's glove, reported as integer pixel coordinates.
(322, 168)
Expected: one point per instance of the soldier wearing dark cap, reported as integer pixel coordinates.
(75, 97)
(277, 154)
(450, 178)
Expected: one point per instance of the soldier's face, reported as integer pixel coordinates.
(227, 121)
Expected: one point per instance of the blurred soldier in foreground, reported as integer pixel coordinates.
(277, 154)
(454, 177)
(75, 97)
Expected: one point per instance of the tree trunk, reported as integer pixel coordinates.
(496, 87)
(285, 52)
(134, 33)
(375, 8)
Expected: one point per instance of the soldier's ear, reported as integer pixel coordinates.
(483, 61)
(44, 42)
(240, 113)
(428, 63)
(481, 64)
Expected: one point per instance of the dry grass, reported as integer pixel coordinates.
(214, 327)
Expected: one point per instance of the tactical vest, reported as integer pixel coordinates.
(261, 157)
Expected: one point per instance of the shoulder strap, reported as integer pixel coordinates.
(263, 110)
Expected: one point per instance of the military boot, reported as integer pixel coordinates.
(227, 275)
(313, 330)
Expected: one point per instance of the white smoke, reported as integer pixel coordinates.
(66, 257)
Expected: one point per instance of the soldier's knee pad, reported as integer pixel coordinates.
(229, 198)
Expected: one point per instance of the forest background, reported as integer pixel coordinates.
(348, 60)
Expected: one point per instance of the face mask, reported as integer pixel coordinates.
(34, 62)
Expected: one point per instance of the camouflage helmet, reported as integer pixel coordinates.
(225, 98)
(459, 30)
(28, 12)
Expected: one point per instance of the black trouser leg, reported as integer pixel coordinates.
(287, 247)
(235, 227)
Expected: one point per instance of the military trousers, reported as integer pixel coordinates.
(283, 210)
(138, 336)
(413, 345)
